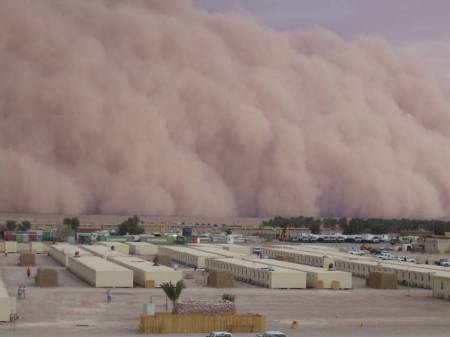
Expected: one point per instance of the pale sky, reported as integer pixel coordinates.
(418, 27)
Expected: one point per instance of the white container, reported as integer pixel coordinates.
(149, 309)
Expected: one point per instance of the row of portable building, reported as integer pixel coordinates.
(102, 266)
(425, 276)
(262, 272)
(15, 247)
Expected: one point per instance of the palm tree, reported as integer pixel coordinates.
(173, 291)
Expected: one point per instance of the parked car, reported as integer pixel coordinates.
(220, 334)
(272, 334)
(443, 262)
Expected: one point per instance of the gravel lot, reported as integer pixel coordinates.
(75, 309)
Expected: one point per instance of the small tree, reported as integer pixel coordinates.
(131, 226)
(228, 297)
(173, 291)
(11, 225)
(228, 231)
(73, 223)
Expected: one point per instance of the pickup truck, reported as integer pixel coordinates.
(272, 334)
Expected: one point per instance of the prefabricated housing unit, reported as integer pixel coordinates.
(118, 246)
(316, 277)
(142, 248)
(7, 304)
(408, 275)
(37, 247)
(441, 285)
(144, 270)
(102, 251)
(188, 256)
(62, 251)
(308, 258)
(101, 273)
(260, 274)
(218, 251)
(9, 246)
(246, 250)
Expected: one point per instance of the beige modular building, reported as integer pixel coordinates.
(145, 271)
(441, 285)
(408, 275)
(8, 246)
(307, 258)
(218, 251)
(102, 251)
(62, 251)
(260, 274)
(100, 273)
(118, 246)
(37, 247)
(437, 245)
(7, 304)
(316, 277)
(143, 248)
(188, 256)
(246, 250)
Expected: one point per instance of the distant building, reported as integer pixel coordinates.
(437, 245)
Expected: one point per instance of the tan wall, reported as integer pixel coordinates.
(168, 323)
(441, 288)
(437, 246)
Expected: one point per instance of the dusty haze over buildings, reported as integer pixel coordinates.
(158, 107)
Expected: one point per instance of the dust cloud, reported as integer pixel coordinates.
(159, 107)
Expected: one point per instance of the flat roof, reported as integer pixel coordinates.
(102, 250)
(140, 244)
(192, 251)
(141, 264)
(111, 243)
(68, 249)
(218, 251)
(98, 264)
(294, 266)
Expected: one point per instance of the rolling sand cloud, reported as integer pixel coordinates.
(157, 107)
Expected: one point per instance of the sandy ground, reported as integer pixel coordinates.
(75, 309)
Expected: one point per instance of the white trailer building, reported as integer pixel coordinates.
(217, 251)
(187, 256)
(142, 248)
(301, 257)
(316, 277)
(62, 251)
(144, 270)
(37, 247)
(118, 246)
(102, 251)
(260, 274)
(8, 246)
(7, 304)
(101, 273)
